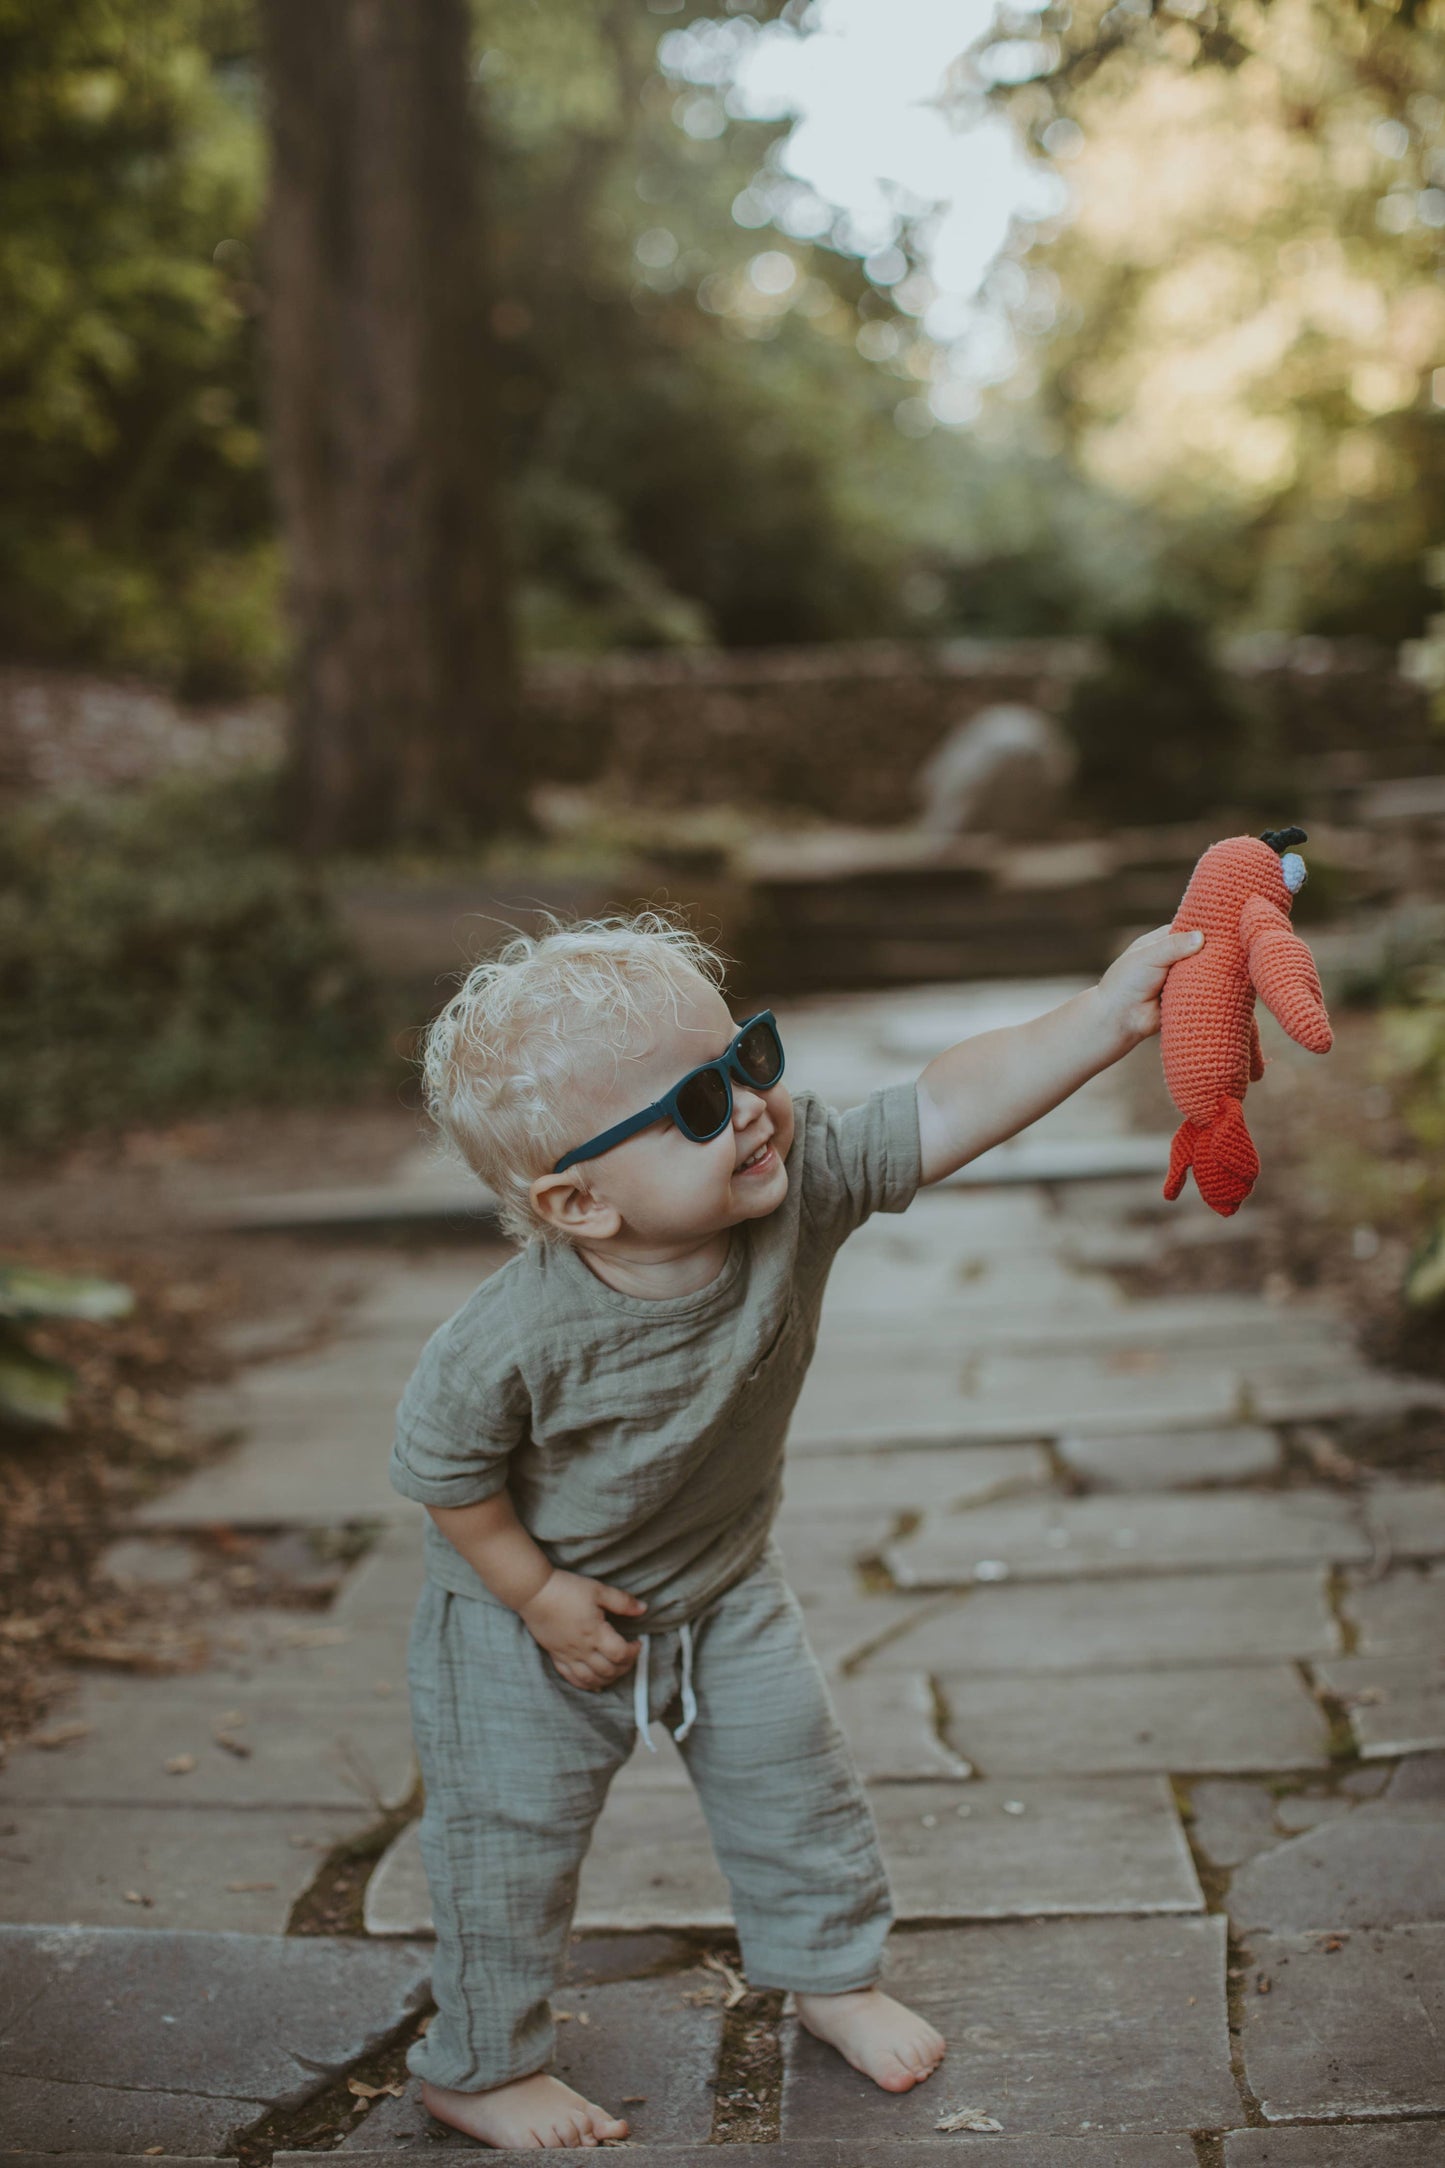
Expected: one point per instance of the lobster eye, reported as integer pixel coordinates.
(1292, 866)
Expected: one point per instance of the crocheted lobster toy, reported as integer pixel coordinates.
(1239, 895)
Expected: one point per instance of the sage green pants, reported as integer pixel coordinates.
(517, 1765)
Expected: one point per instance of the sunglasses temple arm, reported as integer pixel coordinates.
(596, 1146)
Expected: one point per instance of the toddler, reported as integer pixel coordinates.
(598, 1438)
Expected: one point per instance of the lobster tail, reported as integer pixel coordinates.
(1222, 1154)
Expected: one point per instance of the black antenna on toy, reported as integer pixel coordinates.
(1281, 840)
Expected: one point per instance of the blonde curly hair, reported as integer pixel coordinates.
(524, 1024)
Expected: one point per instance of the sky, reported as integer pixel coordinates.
(861, 81)
(860, 85)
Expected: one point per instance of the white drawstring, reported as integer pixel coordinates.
(689, 1698)
(640, 1708)
(639, 1696)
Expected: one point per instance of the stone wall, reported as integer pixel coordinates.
(838, 731)
(842, 731)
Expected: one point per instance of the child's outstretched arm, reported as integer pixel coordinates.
(988, 1088)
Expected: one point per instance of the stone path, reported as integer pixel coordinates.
(1153, 1719)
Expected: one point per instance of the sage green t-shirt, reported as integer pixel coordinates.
(642, 1440)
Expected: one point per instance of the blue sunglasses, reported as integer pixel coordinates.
(702, 1104)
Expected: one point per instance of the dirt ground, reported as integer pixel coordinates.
(127, 1208)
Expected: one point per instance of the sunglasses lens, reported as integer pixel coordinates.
(703, 1104)
(761, 1054)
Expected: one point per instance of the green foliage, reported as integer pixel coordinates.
(685, 452)
(1161, 730)
(1244, 319)
(34, 1391)
(135, 524)
(690, 458)
(159, 952)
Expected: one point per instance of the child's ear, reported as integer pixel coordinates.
(568, 1205)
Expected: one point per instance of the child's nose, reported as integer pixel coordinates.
(747, 1105)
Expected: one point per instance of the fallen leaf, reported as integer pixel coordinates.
(154, 2149)
(425, 2025)
(1334, 1942)
(241, 1886)
(583, 2018)
(238, 1747)
(160, 1657)
(363, 2091)
(134, 1897)
(563, 2017)
(633, 2100)
(1263, 1983)
(737, 1988)
(59, 1735)
(967, 2119)
(180, 1765)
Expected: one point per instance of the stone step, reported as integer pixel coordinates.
(120, 2040)
(1156, 1622)
(1116, 2024)
(1338, 2145)
(1114, 2150)
(1351, 2024)
(1051, 1539)
(458, 1202)
(214, 1869)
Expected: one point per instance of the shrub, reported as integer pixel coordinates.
(161, 952)
(1162, 733)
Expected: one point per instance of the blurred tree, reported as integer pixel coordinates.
(135, 525)
(1245, 322)
(382, 417)
(717, 423)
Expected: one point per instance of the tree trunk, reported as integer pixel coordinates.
(383, 426)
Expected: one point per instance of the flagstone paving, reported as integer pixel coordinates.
(1256, 1717)
(137, 2038)
(1355, 2145)
(1055, 2026)
(1142, 1623)
(1119, 1684)
(1170, 1460)
(1396, 1704)
(1403, 1612)
(1351, 2024)
(1054, 1538)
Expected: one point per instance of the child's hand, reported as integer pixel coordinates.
(1131, 986)
(568, 1618)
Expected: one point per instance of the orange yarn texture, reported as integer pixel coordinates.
(1208, 1036)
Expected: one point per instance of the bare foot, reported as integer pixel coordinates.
(893, 2046)
(530, 2111)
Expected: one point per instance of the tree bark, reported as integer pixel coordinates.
(382, 419)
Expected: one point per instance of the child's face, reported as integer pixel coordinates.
(660, 1186)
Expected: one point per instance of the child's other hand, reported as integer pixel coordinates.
(1131, 986)
(568, 1618)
